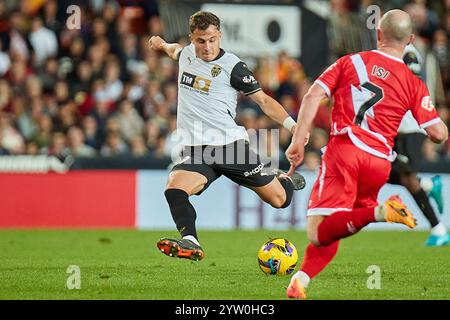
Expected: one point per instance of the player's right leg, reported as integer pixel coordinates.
(436, 192)
(315, 259)
(438, 234)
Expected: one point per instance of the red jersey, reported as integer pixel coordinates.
(372, 92)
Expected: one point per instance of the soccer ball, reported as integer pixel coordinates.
(277, 256)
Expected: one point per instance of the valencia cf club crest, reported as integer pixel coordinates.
(215, 71)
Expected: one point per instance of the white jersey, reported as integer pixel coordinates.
(414, 61)
(410, 125)
(207, 98)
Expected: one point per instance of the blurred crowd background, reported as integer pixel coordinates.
(98, 91)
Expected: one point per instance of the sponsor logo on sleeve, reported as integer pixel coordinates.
(427, 103)
(249, 79)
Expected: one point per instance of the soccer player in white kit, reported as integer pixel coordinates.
(404, 170)
(209, 81)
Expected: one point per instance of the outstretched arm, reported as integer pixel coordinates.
(171, 49)
(273, 109)
(308, 110)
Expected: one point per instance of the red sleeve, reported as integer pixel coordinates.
(423, 109)
(328, 80)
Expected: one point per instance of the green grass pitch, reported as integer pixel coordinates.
(125, 264)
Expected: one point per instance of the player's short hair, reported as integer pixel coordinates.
(202, 20)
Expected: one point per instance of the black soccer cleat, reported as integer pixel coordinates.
(297, 179)
(181, 248)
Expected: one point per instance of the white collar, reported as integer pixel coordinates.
(389, 56)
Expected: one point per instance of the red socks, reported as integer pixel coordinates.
(337, 226)
(343, 224)
(317, 258)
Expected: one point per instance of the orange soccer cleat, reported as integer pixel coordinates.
(396, 211)
(296, 290)
(180, 248)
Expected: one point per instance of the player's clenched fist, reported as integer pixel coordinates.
(156, 43)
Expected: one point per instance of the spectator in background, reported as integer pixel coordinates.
(312, 161)
(347, 32)
(77, 145)
(113, 85)
(92, 138)
(58, 146)
(153, 97)
(42, 138)
(48, 74)
(33, 87)
(32, 149)
(18, 47)
(11, 140)
(50, 18)
(317, 140)
(66, 116)
(61, 92)
(430, 71)
(129, 53)
(24, 119)
(134, 90)
(170, 91)
(130, 122)
(114, 145)
(43, 40)
(96, 59)
(17, 75)
(152, 134)
(5, 61)
(138, 147)
(5, 95)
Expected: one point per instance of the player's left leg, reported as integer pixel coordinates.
(315, 259)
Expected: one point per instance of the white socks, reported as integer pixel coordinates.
(303, 277)
(379, 213)
(439, 230)
(426, 184)
(192, 238)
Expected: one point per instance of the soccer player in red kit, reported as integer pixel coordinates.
(372, 91)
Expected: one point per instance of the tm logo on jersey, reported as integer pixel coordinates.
(195, 82)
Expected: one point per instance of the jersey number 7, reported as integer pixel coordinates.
(376, 95)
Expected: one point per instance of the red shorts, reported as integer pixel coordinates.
(349, 178)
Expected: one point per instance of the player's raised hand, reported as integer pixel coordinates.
(156, 43)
